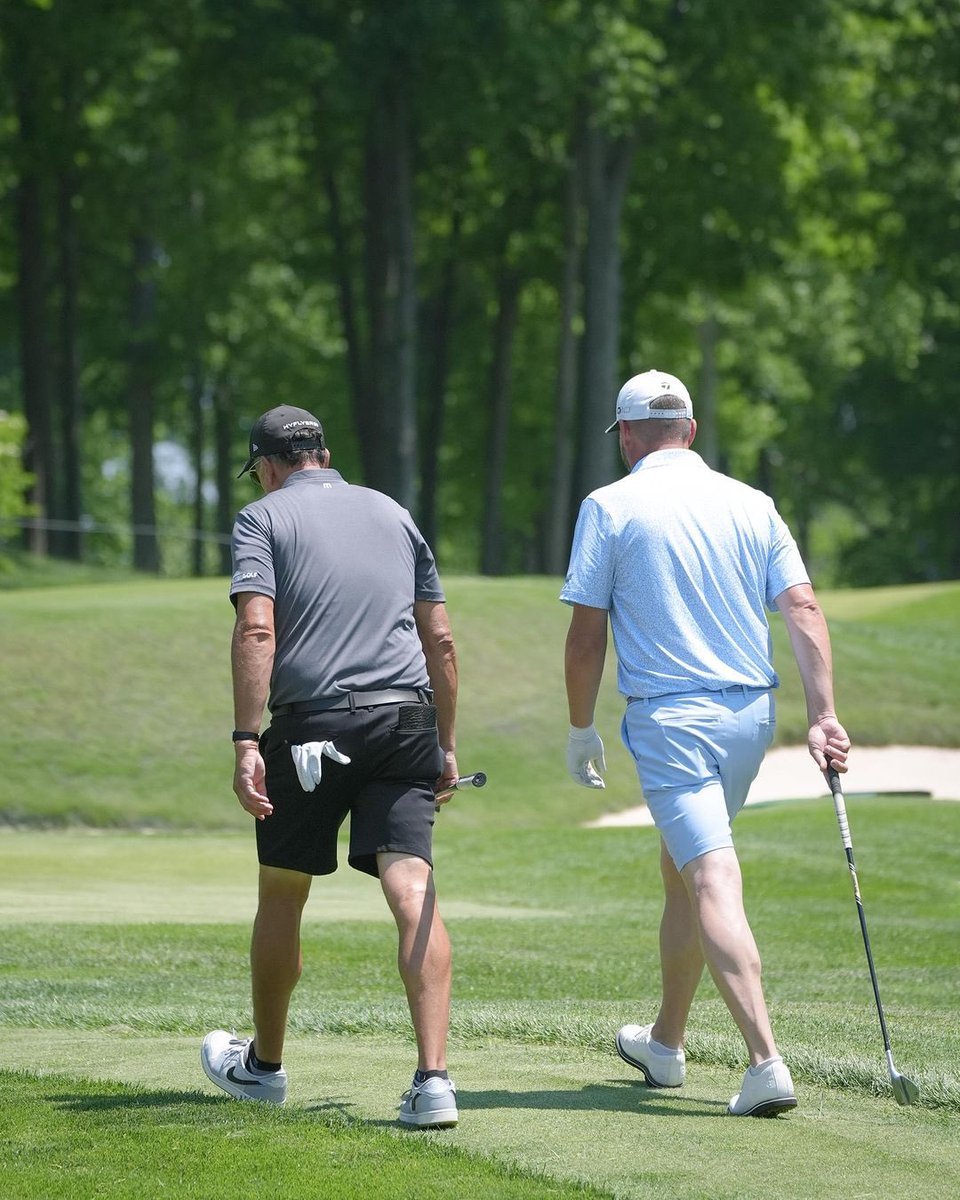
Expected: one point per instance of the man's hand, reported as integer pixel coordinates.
(828, 743)
(249, 780)
(446, 783)
(585, 760)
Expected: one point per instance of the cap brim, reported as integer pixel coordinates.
(611, 428)
(247, 466)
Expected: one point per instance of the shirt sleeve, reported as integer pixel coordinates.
(785, 567)
(426, 579)
(252, 552)
(590, 575)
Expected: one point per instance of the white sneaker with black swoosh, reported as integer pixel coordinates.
(430, 1105)
(224, 1059)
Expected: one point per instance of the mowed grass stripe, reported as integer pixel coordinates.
(563, 976)
(570, 1115)
(87, 876)
(577, 958)
(79, 1138)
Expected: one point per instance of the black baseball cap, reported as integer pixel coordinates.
(281, 430)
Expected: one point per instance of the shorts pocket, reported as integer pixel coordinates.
(766, 729)
(675, 716)
(416, 717)
(416, 754)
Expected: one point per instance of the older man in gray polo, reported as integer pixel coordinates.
(341, 624)
(685, 562)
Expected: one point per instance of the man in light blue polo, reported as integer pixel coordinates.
(686, 561)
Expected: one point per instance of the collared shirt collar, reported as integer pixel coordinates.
(325, 475)
(667, 458)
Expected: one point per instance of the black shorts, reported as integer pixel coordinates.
(387, 788)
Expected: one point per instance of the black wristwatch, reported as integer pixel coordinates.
(245, 735)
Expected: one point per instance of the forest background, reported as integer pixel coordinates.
(451, 230)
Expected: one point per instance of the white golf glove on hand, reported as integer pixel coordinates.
(585, 760)
(308, 761)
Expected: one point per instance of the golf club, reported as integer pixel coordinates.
(477, 779)
(905, 1091)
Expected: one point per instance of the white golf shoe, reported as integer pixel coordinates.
(224, 1059)
(661, 1066)
(430, 1105)
(766, 1090)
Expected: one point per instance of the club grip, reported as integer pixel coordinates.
(833, 778)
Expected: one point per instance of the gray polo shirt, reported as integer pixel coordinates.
(343, 565)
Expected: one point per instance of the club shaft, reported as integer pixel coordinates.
(841, 811)
(866, 946)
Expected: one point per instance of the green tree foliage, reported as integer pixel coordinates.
(452, 230)
(14, 479)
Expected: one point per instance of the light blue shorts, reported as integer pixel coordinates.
(697, 754)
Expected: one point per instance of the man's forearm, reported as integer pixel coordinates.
(810, 640)
(252, 663)
(443, 681)
(251, 657)
(584, 657)
(440, 655)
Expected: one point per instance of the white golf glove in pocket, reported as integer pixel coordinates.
(585, 760)
(308, 761)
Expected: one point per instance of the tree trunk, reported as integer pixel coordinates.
(197, 440)
(143, 514)
(559, 513)
(69, 542)
(343, 273)
(389, 445)
(437, 327)
(608, 165)
(32, 311)
(223, 443)
(508, 307)
(705, 404)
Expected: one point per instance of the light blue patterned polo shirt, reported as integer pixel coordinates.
(686, 560)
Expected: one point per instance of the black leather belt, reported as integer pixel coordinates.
(354, 700)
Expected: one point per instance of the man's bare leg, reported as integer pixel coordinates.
(715, 888)
(275, 958)
(423, 957)
(681, 956)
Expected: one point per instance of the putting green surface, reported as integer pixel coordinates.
(572, 1114)
(85, 877)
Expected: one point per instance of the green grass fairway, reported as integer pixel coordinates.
(127, 888)
(570, 1114)
(121, 988)
(79, 1138)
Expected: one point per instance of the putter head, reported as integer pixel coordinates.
(905, 1091)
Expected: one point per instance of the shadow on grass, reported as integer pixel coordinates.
(612, 1096)
(110, 1101)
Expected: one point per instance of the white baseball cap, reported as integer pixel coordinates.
(636, 395)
